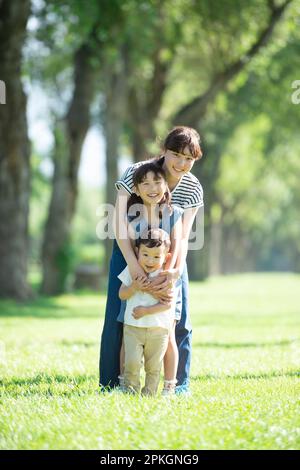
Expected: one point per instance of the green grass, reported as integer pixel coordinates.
(245, 374)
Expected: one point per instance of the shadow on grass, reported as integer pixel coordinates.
(49, 385)
(285, 342)
(245, 376)
(84, 344)
(48, 307)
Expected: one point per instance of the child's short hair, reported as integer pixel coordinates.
(181, 137)
(153, 238)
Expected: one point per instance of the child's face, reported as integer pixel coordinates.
(151, 259)
(177, 164)
(152, 189)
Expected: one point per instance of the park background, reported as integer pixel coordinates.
(91, 86)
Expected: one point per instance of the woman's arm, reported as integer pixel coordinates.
(175, 237)
(162, 283)
(161, 286)
(120, 225)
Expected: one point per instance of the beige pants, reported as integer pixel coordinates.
(150, 343)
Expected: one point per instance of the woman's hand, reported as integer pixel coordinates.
(164, 296)
(140, 283)
(172, 274)
(136, 271)
(164, 281)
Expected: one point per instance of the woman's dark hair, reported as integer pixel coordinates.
(153, 238)
(140, 175)
(181, 137)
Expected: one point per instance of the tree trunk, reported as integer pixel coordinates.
(14, 154)
(56, 255)
(198, 260)
(194, 113)
(113, 123)
(145, 100)
(215, 248)
(141, 125)
(206, 170)
(141, 135)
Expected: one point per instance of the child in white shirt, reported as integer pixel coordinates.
(147, 322)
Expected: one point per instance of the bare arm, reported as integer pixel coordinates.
(125, 292)
(139, 312)
(120, 225)
(175, 237)
(162, 283)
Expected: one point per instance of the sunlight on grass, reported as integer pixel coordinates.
(245, 374)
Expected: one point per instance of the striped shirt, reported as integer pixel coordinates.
(187, 193)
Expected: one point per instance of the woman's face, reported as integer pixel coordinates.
(177, 164)
(152, 188)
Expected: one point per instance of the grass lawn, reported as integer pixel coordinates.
(244, 380)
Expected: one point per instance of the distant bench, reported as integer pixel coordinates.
(87, 276)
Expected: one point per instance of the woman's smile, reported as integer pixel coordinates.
(179, 170)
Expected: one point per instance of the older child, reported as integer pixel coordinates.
(147, 322)
(149, 206)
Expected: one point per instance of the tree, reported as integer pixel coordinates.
(229, 63)
(14, 154)
(69, 141)
(171, 42)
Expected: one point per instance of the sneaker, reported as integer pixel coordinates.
(121, 386)
(169, 388)
(129, 390)
(103, 389)
(168, 392)
(183, 389)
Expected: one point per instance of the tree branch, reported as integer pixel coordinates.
(196, 109)
(158, 84)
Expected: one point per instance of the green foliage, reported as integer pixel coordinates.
(65, 263)
(84, 247)
(250, 142)
(251, 128)
(85, 221)
(39, 199)
(245, 374)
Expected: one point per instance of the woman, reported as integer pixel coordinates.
(181, 149)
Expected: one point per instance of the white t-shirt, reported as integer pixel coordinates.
(163, 319)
